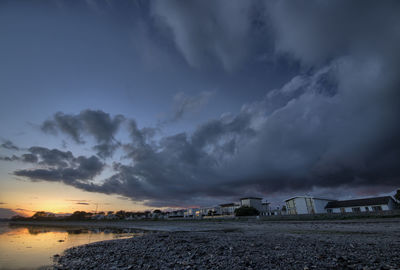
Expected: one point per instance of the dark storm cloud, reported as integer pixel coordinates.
(213, 131)
(97, 124)
(333, 125)
(29, 158)
(312, 137)
(57, 165)
(52, 157)
(9, 145)
(141, 137)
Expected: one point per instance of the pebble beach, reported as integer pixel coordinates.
(248, 245)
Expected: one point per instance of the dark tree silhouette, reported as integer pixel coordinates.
(246, 211)
(120, 214)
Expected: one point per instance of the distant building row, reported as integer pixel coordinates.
(294, 206)
(228, 209)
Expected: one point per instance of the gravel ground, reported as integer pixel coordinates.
(249, 246)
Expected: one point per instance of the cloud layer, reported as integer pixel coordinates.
(333, 125)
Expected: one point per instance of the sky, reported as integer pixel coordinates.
(138, 105)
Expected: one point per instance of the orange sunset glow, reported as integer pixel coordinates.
(25, 198)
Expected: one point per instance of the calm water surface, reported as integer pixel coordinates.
(33, 247)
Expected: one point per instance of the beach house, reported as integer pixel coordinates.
(374, 204)
(306, 205)
(252, 202)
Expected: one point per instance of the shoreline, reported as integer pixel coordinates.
(213, 225)
(248, 245)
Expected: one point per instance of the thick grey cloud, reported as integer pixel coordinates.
(56, 165)
(9, 145)
(97, 124)
(52, 157)
(335, 124)
(29, 158)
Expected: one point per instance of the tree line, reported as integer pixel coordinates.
(83, 215)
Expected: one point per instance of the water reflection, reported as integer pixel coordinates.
(30, 247)
(36, 229)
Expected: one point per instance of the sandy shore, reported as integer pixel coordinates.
(355, 244)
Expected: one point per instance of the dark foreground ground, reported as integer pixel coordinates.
(249, 245)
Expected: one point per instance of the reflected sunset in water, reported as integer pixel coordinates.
(33, 247)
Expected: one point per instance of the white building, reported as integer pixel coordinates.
(265, 209)
(177, 213)
(306, 205)
(228, 208)
(375, 204)
(252, 202)
(192, 212)
(210, 211)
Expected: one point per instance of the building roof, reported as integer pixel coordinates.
(254, 198)
(314, 198)
(359, 202)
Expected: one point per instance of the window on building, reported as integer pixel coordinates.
(329, 211)
(291, 208)
(310, 206)
(356, 209)
(377, 208)
(343, 210)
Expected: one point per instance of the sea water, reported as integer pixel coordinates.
(33, 247)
